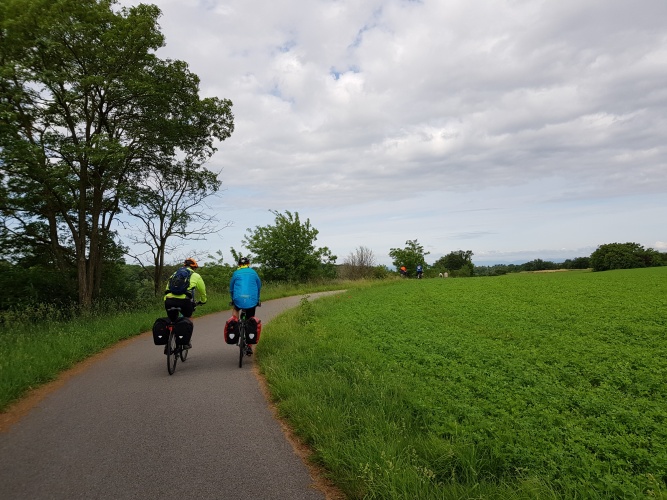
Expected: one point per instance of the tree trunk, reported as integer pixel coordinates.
(159, 269)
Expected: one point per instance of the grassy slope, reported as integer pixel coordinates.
(521, 386)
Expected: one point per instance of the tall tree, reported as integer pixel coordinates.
(170, 206)
(87, 109)
(412, 255)
(454, 261)
(286, 251)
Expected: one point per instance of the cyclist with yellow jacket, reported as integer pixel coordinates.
(186, 301)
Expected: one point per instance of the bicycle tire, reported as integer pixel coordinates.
(172, 354)
(242, 345)
(184, 354)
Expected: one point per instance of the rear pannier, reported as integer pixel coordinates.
(254, 330)
(183, 330)
(232, 330)
(160, 331)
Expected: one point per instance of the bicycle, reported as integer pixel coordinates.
(242, 341)
(173, 350)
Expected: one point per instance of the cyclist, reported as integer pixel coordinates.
(244, 290)
(420, 271)
(404, 272)
(186, 301)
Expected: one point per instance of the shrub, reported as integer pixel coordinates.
(624, 256)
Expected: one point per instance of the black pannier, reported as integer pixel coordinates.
(183, 330)
(232, 331)
(253, 330)
(160, 331)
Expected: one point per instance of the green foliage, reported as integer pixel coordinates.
(455, 261)
(411, 256)
(466, 271)
(495, 270)
(539, 265)
(286, 251)
(217, 274)
(39, 286)
(547, 385)
(577, 263)
(381, 273)
(35, 285)
(87, 109)
(624, 256)
(532, 266)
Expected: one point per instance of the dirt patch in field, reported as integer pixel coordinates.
(551, 271)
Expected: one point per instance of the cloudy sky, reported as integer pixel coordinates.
(518, 129)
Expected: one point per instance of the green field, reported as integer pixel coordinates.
(550, 385)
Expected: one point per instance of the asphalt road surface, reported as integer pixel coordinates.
(125, 429)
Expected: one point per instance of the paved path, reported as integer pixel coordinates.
(125, 429)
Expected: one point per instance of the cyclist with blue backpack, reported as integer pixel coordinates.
(182, 287)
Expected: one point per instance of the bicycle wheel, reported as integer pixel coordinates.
(241, 342)
(184, 354)
(172, 354)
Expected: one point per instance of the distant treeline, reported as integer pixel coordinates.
(38, 286)
(533, 265)
(606, 258)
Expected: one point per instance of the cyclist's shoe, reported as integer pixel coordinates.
(188, 346)
(248, 350)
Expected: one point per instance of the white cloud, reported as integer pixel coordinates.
(543, 122)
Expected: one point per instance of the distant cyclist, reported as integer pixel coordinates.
(244, 290)
(420, 271)
(185, 300)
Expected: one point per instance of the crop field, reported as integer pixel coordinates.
(521, 386)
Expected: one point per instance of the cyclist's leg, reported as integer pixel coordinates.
(245, 317)
(250, 315)
(187, 307)
(171, 303)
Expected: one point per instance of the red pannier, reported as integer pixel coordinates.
(232, 330)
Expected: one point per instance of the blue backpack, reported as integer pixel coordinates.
(180, 282)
